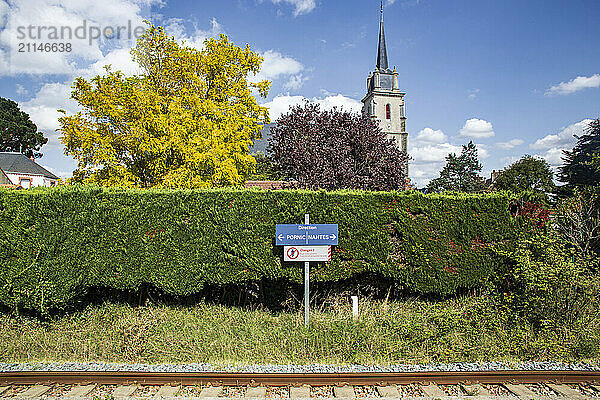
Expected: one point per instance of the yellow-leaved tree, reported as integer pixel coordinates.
(185, 121)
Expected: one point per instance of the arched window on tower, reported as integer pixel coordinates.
(388, 111)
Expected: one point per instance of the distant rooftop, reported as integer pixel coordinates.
(17, 163)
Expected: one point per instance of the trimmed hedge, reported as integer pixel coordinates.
(56, 243)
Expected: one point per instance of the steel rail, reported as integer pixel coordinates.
(286, 379)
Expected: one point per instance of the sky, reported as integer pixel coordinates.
(516, 77)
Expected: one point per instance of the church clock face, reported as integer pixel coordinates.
(386, 81)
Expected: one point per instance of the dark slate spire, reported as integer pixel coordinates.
(382, 62)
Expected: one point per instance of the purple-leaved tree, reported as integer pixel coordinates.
(335, 150)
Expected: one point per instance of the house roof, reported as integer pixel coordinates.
(269, 185)
(4, 179)
(18, 163)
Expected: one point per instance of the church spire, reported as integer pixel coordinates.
(382, 62)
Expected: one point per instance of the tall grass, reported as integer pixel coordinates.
(467, 328)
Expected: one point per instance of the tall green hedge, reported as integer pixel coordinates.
(56, 243)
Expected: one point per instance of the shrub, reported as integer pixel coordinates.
(57, 243)
(546, 283)
(578, 221)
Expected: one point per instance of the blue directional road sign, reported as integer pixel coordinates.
(308, 235)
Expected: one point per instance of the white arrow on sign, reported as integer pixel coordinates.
(333, 236)
(280, 237)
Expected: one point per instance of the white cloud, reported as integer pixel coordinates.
(472, 93)
(405, 3)
(300, 6)
(282, 103)
(276, 65)
(339, 101)
(295, 82)
(482, 150)
(421, 173)
(508, 160)
(20, 89)
(564, 140)
(553, 156)
(119, 59)
(430, 135)
(78, 21)
(429, 150)
(511, 144)
(477, 129)
(433, 152)
(4, 9)
(575, 85)
(176, 27)
(42, 109)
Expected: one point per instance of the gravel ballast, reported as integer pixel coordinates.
(311, 368)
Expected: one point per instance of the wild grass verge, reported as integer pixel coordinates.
(467, 328)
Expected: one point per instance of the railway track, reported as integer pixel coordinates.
(578, 385)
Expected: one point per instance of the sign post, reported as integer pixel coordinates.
(306, 242)
(306, 279)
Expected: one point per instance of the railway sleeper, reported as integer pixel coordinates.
(430, 391)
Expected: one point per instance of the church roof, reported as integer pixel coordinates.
(382, 61)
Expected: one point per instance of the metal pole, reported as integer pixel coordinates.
(306, 278)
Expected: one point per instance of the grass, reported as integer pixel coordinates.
(412, 331)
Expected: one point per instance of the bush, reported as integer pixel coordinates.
(578, 221)
(546, 283)
(57, 243)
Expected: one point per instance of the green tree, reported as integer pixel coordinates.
(529, 173)
(186, 121)
(460, 173)
(581, 167)
(17, 132)
(266, 169)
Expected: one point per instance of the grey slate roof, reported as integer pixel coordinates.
(18, 163)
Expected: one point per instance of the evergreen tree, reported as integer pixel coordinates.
(581, 166)
(460, 173)
(17, 132)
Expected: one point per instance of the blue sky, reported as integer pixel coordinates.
(517, 77)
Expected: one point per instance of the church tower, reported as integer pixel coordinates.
(384, 102)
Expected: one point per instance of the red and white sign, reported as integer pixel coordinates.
(307, 253)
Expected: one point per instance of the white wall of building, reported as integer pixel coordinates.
(27, 181)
